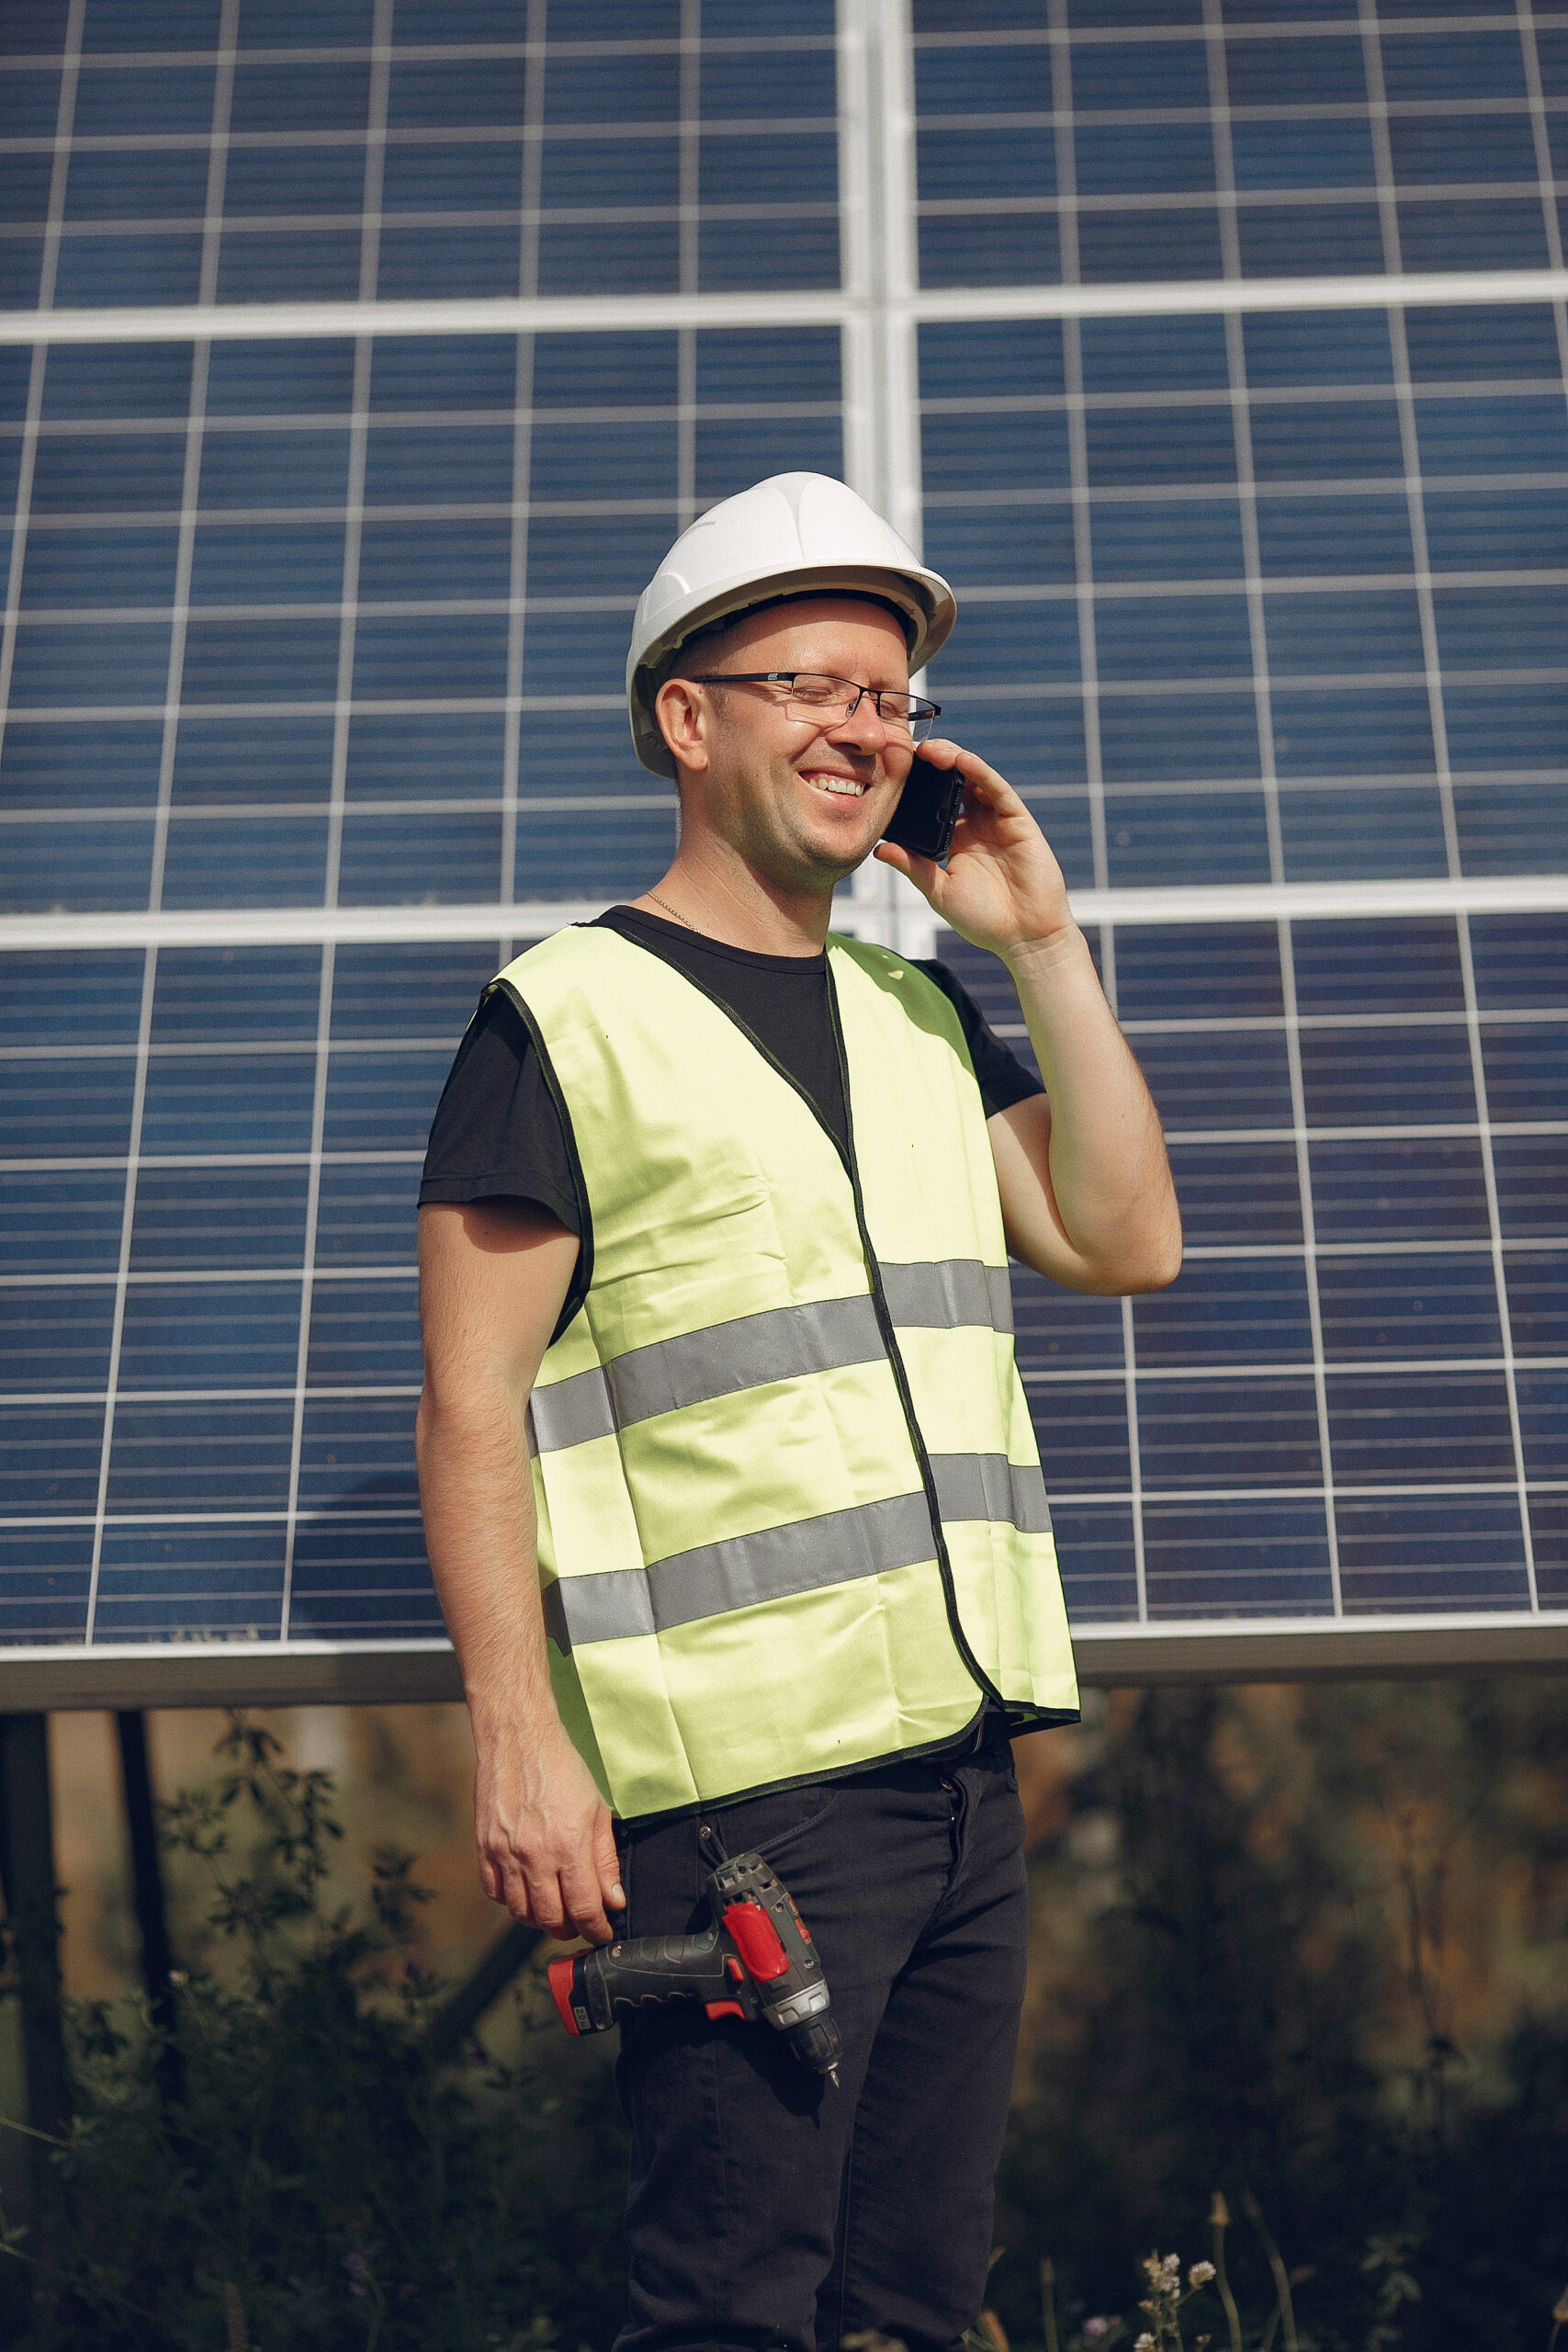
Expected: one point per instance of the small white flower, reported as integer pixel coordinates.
(1145, 2343)
(1201, 2274)
(1095, 2328)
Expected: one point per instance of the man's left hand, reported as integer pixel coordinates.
(1081, 1171)
(1002, 888)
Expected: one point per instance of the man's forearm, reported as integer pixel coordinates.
(479, 1519)
(493, 1278)
(1107, 1167)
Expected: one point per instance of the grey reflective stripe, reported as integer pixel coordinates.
(570, 1412)
(987, 1485)
(949, 1294)
(836, 1548)
(781, 1343)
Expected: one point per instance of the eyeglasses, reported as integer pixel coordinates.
(814, 698)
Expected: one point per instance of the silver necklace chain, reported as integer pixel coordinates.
(671, 911)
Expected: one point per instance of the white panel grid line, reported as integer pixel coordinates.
(217, 159)
(1309, 1248)
(879, 351)
(1475, 19)
(172, 693)
(1545, 170)
(1078, 467)
(628, 313)
(406, 1514)
(375, 154)
(117, 1328)
(1499, 1264)
(1074, 1499)
(690, 248)
(1135, 1497)
(1263, 709)
(33, 415)
(1176, 904)
(24, 1400)
(1286, 27)
(359, 445)
(65, 119)
(522, 463)
(1167, 399)
(1410, 447)
(1224, 193)
(173, 1277)
(1108, 1376)
(300, 1398)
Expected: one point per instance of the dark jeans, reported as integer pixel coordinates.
(768, 2212)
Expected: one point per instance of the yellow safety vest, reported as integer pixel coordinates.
(791, 1517)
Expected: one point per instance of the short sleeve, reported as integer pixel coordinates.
(497, 1133)
(1004, 1079)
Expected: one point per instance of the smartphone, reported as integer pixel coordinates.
(929, 807)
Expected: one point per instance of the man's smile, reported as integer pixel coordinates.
(833, 780)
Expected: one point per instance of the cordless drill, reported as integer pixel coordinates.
(756, 1960)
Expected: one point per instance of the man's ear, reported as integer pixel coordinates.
(678, 708)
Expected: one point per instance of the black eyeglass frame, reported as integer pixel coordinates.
(920, 712)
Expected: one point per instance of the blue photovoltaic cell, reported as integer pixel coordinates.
(1083, 1435)
(1205, 652)
(49, 1459)
(1242, 1560)
(1238, 1192)
(1257, 1432)
(1231, 1310)
(1416, 1428)
(1429, 1555)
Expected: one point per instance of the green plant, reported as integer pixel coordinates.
(320, 2187)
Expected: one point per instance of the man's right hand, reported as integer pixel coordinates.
(547, 1838)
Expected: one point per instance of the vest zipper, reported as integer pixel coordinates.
(878, 1296)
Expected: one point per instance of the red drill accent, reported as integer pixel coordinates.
(560, 1985)
(756, 1940)
(724, 2010)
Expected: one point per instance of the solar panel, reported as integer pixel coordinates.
(358, 362)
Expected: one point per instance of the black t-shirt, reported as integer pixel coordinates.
(497, 1133)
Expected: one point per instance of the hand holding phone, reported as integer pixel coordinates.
(929, 807)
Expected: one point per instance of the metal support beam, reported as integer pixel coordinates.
(26, 1878)
(506, 1957)
(147, 1893)
(878, 340)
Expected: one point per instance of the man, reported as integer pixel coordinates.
(728, 1203)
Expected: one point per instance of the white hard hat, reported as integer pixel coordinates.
(785, 536)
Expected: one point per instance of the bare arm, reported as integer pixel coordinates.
(1087, 1195)
(493, 1278)
(1085, 1183)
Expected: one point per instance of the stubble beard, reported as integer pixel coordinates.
(772, 848)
